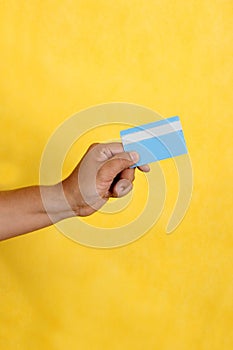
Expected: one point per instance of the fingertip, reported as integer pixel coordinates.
(145, 168)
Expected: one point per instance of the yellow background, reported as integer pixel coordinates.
(161, 292)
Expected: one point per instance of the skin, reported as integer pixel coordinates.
(103, 172)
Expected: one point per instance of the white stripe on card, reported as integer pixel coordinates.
(152, 132)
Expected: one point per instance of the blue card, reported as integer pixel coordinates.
(155, 141)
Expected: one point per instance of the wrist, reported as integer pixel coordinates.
(56, 202)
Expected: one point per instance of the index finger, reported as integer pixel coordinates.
(113, 148)
(105, 151)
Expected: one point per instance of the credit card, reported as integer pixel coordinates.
(155, 141)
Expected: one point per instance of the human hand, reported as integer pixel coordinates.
(103, 172)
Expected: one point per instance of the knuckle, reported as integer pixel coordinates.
(93, 145)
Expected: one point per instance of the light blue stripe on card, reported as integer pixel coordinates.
(150, 125)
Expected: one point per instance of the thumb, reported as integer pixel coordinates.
(112, 167)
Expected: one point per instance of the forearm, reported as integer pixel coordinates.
(22, 210)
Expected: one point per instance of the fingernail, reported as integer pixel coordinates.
(146, 168)
(134, 156)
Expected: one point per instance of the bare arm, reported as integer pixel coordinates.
(22, 210)
(103, 172)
